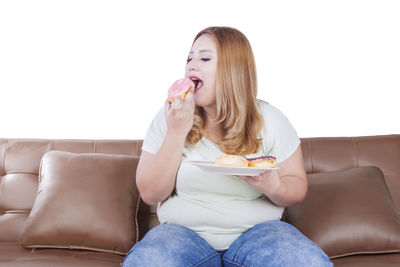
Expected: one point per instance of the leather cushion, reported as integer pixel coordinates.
(84, 201)
(348, 212)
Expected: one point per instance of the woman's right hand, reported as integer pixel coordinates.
(180, 117)
(156, 173)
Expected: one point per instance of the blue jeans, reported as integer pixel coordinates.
(272, 243)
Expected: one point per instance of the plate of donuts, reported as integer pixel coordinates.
(236, 165)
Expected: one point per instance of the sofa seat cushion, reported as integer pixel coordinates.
(84, 201)
(348, 212)
(12, 254)
(375, 260)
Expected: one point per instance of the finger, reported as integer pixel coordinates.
(167, 105)
(188, 101)
(242, 177)
(265, 174)
(189, 95)
(176, 104)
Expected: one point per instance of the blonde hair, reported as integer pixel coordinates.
(236, 92)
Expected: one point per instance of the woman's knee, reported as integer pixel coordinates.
(170, 245)
(275, 243)
(299, 248)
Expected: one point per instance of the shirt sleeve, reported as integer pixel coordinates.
(282, 139)
(155, 133)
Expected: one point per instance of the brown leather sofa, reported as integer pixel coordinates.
(20, 160)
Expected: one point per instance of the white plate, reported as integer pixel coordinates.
(209, 166)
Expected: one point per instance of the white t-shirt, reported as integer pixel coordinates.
(221, 207)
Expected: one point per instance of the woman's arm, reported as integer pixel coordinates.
(156, 173)
(286, 186)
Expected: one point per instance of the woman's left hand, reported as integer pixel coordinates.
(267, 182)
(286, 186)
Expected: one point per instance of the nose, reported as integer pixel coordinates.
(192, 68)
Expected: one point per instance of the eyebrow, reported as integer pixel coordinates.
(202, 51)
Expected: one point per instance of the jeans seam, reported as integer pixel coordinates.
(234, 263)
(206, 259)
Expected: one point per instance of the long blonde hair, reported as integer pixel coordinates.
(236, 92)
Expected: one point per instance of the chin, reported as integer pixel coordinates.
(199, 101)
(203, 104)
(202, 100)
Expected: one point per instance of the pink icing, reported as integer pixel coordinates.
(262, 158)
(179, 87)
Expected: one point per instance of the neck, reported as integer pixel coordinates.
(212, 130)
(210, 113)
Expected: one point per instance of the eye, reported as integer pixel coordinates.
(205, 59)
(188, 60)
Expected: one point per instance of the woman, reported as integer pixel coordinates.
(214, 219)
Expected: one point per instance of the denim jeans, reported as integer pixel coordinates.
(272, 243)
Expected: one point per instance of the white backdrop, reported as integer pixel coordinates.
(100, 69)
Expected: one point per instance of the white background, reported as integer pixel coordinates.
(101, 69)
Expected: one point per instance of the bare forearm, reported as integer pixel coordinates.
(292, 190)
(156, 180)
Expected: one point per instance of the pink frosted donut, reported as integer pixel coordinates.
(179, 89)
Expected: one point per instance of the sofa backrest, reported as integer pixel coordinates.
(20, 160)
(19, 168)
(337, 153)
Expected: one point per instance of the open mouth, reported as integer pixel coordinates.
(198, 83)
